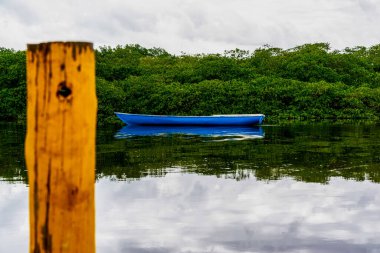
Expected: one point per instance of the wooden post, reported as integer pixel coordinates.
(60, 146)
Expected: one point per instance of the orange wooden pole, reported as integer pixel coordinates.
(60, 146)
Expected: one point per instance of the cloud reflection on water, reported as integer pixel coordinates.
(192, 213)
(14, 226)
(188, 213)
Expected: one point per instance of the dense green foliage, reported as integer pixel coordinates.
(12, 84)
(310, 81)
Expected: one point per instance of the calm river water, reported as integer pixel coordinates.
(295, 188)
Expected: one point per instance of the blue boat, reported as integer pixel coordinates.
(213, 120)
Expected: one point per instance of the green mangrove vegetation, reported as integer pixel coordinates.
(310, 81)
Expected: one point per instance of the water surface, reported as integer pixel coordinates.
(296, 188)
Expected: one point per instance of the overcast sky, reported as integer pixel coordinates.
(192, 26)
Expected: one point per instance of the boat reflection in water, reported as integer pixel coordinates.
(227, 133)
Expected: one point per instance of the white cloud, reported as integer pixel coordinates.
(193, 26)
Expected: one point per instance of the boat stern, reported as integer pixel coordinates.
(261, 120)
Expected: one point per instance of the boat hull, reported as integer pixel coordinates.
(214, 120)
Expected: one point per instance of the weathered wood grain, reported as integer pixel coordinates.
(60, 146)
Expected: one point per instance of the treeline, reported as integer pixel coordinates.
(306, 82)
